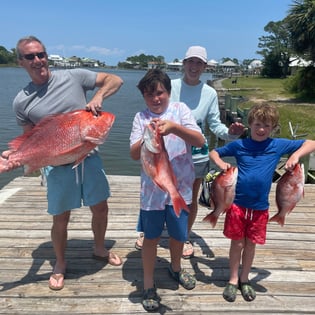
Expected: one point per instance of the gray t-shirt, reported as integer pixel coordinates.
(64, 92)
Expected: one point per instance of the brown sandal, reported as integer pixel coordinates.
(59, 278)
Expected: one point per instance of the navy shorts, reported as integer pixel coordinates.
(152, 222)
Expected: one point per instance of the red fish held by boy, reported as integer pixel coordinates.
(289, 191)
(58, 139)
(222, 193)
(156, 164)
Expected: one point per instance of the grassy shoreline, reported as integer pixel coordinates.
(300, 114)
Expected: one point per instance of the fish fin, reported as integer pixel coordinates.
(179, 204)
(212, 218)
(277, 218)
(16, 142)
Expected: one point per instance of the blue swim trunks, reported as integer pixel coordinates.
(152, 223)
(69, 188)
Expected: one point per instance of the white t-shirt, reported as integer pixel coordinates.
(152, 197)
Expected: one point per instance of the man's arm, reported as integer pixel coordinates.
(107, 84)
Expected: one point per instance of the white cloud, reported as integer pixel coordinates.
(81, 50)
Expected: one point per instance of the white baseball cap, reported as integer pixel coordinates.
(198, 52)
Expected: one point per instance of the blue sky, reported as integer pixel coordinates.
(112, 30)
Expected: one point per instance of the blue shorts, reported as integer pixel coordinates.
(152, 222)
(69, 188)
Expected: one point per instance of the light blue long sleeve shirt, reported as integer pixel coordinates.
(203, 102)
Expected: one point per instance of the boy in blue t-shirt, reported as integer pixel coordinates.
(246, 220)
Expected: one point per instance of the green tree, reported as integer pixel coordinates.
(276, 49)
(271, 67)
(6, 57)
(246, 62)
(160, 59)
(235, 60)
(142, 60)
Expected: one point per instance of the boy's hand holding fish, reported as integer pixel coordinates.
(156, 164)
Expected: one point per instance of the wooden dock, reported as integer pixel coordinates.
(283, 272)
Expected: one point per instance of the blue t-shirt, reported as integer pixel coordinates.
(256, 163)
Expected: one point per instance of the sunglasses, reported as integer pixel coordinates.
(39, 55)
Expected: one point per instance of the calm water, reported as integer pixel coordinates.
(124, 104)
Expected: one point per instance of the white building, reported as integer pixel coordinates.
(55, 58)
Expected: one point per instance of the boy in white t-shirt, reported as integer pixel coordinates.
(176, 124)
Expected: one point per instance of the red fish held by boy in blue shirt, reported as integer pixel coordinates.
(289, 191)
(222, 194)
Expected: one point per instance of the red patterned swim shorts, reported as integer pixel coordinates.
(242, 222)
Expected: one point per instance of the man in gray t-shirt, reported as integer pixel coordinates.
(59, 92)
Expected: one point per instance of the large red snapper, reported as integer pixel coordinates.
(59, 139)
(222, 193)
(156, 164)
(289, 191)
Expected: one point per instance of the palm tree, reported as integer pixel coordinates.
(301, 25)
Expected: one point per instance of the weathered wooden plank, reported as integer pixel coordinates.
(174, 304)
(283, 272)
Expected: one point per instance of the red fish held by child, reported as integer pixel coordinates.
(289, 191)
(156, 164)
(58, 139)
(222, 194)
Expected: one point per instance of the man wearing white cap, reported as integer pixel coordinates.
(203, 101)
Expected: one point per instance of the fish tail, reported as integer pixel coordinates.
(212, 218)
(277, 218)
(179, 204)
